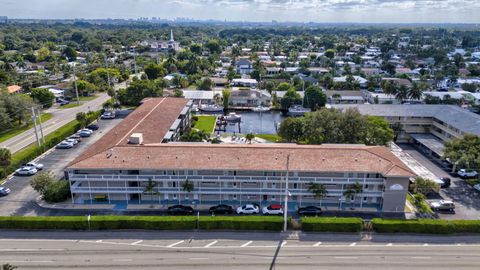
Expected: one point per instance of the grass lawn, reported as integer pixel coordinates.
(85, 98)
(472, 182)
(205, 123)
(8, 134)
(269, 137)
(422, 206)
(72, 104)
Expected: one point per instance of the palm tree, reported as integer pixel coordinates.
(402, 93)
(415, 92)
(319, 191)
(250, 137)
(357, 189)
(348, 193)
(188, 186)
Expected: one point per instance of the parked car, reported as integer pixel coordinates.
(442, 205)
(477, 187)
(309, 211)
(86, 130)
(108, 115)
(36, 165)
(93, 127)
(76, 137)
(464, 173)
(273, 209)
(446, 182)
(84, 134)
(64, 102)
(64, 145)
(26, 170)
(4, 191)
(248, 209)
(221, 209)
(180, 210)
(72, 141)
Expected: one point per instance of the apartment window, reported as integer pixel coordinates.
(174, 184)
(174, 196)
(234, 184)
(365, 199)
(295, 185)
(366, 186)
(234, 196)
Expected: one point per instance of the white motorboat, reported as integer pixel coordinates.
(195, 108)
(298, 110)
(233, 117)
(211, 108)
(261, 109)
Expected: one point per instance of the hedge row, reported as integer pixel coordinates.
(99, 223)
(431, 226)
(258, 223)
(316, 224)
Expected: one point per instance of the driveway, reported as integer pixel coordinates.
(466, 199)
(21, 201)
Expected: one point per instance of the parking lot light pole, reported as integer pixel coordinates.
(285, 212)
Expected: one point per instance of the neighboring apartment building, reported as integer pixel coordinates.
(117, 169)
(250, 98)
(428, 125)
(244, 66)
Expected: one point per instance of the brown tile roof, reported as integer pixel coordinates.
(153, 119)
(256, 157)
(14, 89)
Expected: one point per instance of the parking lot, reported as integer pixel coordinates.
(21, 199)
(466, 199)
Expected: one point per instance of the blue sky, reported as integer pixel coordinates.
(377, 11)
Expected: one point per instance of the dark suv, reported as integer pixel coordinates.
(221, 209)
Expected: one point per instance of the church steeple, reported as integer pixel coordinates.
(171, 36)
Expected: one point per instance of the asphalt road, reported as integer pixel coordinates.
(21, 199)
(466, 199)
(229, 250)
(59, 118)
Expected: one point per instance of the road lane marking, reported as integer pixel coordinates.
(389, 244)
(122, 260)
(346, 258)
(283, 243)
(136, 243)
(176, 243)
(198, 258)
(353, 244)
(211, 244)
(422, 258)
(425, 245)
(246, 244)
(98, 241)
(317, 244)
(32, 250)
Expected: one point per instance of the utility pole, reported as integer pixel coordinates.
(135, 61)
(75, 82)
(285, 212)
(41, 127)
(34, 118)
(106, 68)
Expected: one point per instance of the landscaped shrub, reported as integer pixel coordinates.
(44, 223)
(143, 222)
(57, 191)
(432, 226)
(333, 224)
(259, 223)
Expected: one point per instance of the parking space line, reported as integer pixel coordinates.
(389, 245)
(211, 244)
(136, 243)
(246, 244)
(317, 244)
(353, 244)
(344, 257)
(283, 243)
(176, 243)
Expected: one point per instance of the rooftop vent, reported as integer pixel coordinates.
(136, 138)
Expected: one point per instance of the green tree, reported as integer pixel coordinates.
(58, 191)
(464, 152)
(205, 84)
(330, 53)
(292, 129)
(213, 46)
(283, 87)
(43, 96)
(81, 117)
(378, 131)
(138, 90)
(415, 92)
(226, 98)
(314, 98)
(402, 93)
(70, 53)
(319, 191)
(154, 71)
(249, 137)
(41, 181)
(425, 186)
(5, 157)
(290, 98)
(188, 186)
(85, 88)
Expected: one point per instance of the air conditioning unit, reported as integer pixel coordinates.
(136, 138)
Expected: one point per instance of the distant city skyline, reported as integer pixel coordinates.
(362, 11)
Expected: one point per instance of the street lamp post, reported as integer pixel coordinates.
(285, 212)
